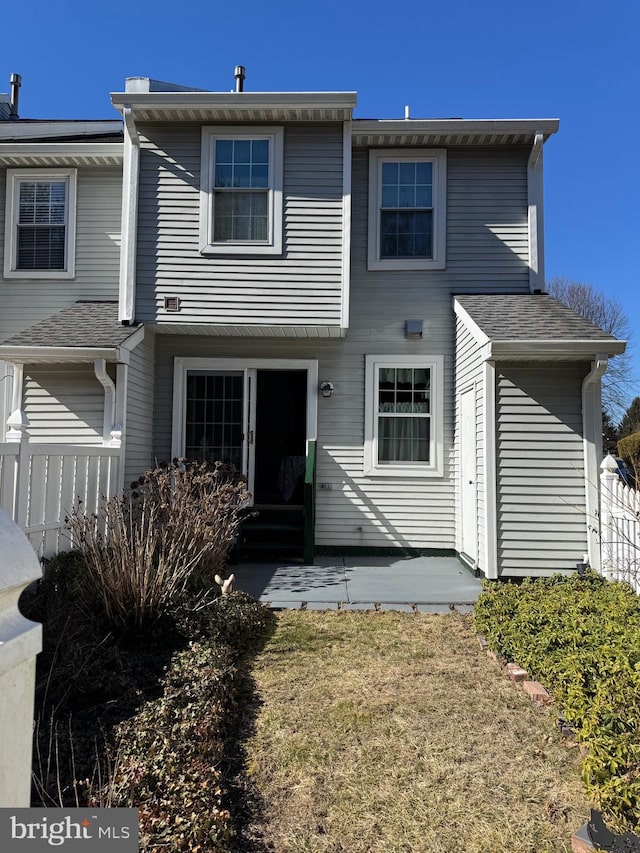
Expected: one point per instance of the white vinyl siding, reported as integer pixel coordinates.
(301, 288)
(387, 512)
(469, 375)
(540, 468)
(64, 404)
(140, 396)
(98, 210)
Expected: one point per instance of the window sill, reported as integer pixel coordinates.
(218, 249)
(406, 264)
(39, 274)
(400, 473)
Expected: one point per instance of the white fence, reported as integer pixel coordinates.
(619, 526)
(40, 483)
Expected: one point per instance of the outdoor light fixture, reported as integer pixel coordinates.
(413, 329)
(326, 388)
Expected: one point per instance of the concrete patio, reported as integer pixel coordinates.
(428, 584)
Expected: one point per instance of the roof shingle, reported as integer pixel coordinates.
(85, 324)
(528, 317)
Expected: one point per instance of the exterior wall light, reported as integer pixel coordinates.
(413, 330)
(326, 388)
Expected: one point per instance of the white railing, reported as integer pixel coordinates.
(40, 483)
(619, 526)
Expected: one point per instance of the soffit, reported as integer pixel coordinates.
(237, 106)
(370, 133)
(24, 154)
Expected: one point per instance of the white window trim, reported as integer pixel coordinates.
(14, 177)
(435, 467)
(437, 156)
(273, 245)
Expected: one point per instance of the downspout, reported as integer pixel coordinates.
(109, 426)
(536, 216)
(130, 182)
(592, 448)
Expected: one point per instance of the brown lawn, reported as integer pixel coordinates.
(394, 733)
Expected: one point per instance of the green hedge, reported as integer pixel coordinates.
(581, 639)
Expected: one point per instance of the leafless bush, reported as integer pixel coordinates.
(146, 549)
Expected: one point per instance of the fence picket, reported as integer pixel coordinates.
(619, 526)
(40, 483)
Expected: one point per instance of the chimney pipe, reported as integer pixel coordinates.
(239, 75)
(15, 81)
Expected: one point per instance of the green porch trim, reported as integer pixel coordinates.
(310, 504)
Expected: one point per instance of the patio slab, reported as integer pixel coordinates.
(393, 583)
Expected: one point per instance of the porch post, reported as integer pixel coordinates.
(608, 490)
(17, 419)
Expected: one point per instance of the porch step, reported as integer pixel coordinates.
(273, 531)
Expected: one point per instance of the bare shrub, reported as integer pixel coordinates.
(168, 536)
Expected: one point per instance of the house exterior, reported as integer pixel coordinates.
(349, 310)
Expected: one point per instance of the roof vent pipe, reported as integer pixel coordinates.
(15, 81)
(407, 112)
(239, 74)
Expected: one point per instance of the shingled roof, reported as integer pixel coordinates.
(528, 317)
(85, 325)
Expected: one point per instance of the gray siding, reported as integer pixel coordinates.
(487, 236)
(541, 482)
(140, 394)
(356, 510)
(64, 404)
(303, 287)
(469, 373)
(26, 301)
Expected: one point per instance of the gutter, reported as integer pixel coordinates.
(537, 350)
(592, 448)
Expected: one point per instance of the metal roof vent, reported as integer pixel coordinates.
(172, 303)
(239, 74)
(15, 80)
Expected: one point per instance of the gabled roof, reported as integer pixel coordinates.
(532, 324)
(84, 330)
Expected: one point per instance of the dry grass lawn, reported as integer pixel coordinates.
(393, 733)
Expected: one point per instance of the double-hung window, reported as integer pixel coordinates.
(407, 209)
(241, 191)
(40, 223)
(403, 435)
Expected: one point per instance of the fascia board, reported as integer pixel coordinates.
(547, 126)
(133, 340)
(25, 129)
(95, 150)
(481, 337)
(234, 100)
(566, 349)
(41, 355)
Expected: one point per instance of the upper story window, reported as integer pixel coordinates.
(241, 191)
(40, 223)
(407, 209)
(405, 416)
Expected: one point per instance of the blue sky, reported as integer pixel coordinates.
(577, 61)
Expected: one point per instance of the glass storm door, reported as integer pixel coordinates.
(218, 424)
